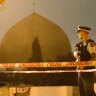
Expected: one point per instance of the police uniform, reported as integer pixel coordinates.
(86, 49)
(86, 79)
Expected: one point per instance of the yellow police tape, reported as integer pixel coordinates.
(47, 64)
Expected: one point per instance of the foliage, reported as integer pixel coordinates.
(2, 1)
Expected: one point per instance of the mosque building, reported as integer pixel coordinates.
(35, 39)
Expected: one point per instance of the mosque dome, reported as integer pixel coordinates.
(34, 39)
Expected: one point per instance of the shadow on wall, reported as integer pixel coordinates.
(37, 54)
(36, 49)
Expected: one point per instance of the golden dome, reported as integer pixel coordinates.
(35, 38)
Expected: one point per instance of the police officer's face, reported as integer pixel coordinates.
(83, 35)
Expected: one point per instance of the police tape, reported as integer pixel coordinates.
(47, 71)
(47, 64)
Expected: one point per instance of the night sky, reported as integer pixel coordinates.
(67, 14)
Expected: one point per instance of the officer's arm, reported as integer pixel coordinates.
(92, 50)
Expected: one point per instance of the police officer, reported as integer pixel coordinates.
(85, 51)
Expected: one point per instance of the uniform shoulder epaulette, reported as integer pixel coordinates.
(91, 41)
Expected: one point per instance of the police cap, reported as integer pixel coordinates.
(83, 28)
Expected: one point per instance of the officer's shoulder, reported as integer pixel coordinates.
(91, 41)
(92, 44)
